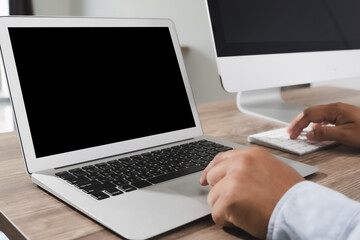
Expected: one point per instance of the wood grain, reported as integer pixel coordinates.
(27, 211)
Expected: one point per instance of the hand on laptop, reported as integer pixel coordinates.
(246, 185)
(345, 117)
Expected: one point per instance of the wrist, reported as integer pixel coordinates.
(309, 211)
(284, 199)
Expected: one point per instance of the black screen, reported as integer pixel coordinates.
(85, 87)
(250, 27)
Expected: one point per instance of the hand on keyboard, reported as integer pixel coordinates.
(279, 139)
(344, 117)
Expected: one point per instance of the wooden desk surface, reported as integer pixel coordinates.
(25, 210)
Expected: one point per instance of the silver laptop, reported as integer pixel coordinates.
(107, 121)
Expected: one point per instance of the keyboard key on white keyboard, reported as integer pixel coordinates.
(279, 139)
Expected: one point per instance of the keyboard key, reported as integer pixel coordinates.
(91, 169)
(99, 195)
(87, 183)
(78, 180)
(65, 175)
(141, 184)
(127, 188)
(78, 172)
(120, 182)
(92, 189)
(113, 191)
(223, 149)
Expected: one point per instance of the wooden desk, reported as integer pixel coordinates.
(28, 211)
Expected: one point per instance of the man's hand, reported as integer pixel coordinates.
(344, 117)
(246, 185)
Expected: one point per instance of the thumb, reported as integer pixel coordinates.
(328, 133)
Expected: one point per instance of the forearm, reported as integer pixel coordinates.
(310, 211)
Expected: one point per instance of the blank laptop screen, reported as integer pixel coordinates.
(85, 87)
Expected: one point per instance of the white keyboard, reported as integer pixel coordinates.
(279, 139)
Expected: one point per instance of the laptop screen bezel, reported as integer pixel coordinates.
(35, 164)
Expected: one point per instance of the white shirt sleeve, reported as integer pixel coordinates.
(311, 211)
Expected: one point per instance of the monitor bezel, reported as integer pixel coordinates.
(261, 71)
(35, 164)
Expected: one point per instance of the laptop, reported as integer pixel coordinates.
(107, 120)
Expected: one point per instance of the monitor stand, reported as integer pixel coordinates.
(267, 103)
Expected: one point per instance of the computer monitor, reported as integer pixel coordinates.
(263, 45)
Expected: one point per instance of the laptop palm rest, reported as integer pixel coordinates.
(140, 214)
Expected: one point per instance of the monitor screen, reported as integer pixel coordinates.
(85, 87)
(249, 27)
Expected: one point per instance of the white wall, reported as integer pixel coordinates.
(350, 83)
(52, 7)
(4, 7)
(190, 18)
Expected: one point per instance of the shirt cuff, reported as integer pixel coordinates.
(311, 211)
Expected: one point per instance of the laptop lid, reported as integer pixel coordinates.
(89, 88)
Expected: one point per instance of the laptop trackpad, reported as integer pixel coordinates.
(189, 186)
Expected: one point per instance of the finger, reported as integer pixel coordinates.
(316, 114)
(213, 195)
(216, 173)
(294, 122)
(331, 133)
(297, 125)
(203, 179)
(218, 158)
(318, 125)
(218, 214)
(217, 204)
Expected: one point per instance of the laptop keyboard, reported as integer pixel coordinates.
(115, 177)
